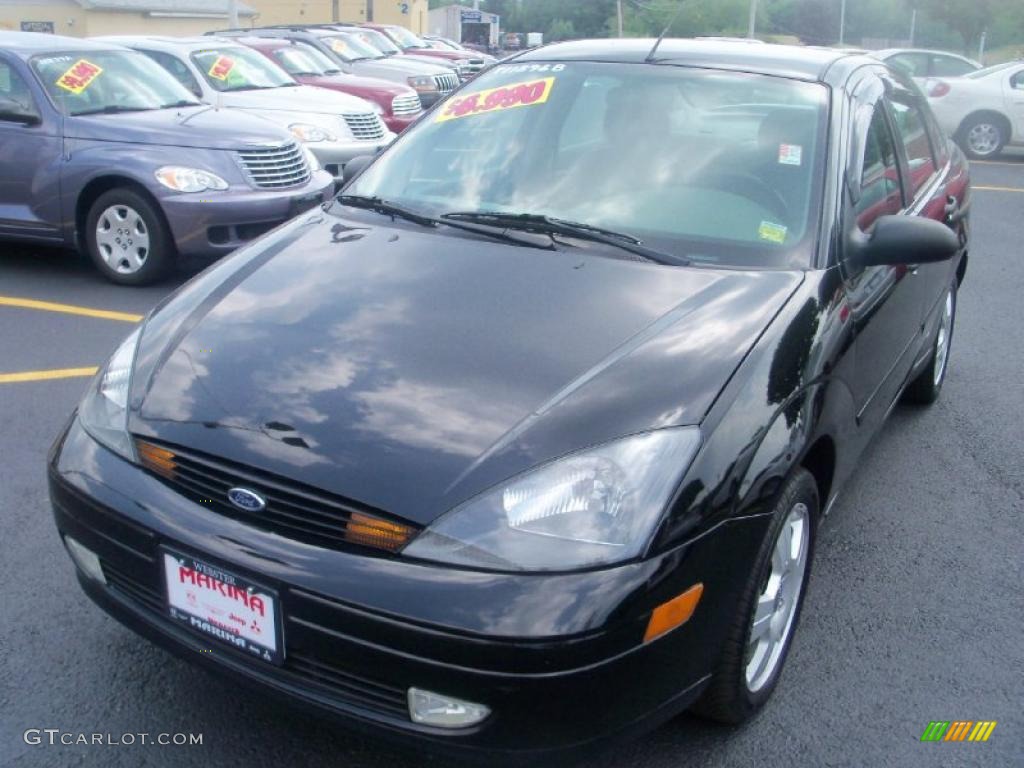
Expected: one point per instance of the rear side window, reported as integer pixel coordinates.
(914, 64)
(880, 180)
(949, 66)
(914, 137)
(1017, 81)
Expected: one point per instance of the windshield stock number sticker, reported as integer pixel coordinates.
(523, 94)
(772, 232)
(79, 76)
(222, 67)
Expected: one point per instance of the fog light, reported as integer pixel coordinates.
(431, 708)
(86, 560)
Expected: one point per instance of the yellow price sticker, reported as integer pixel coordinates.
(222, 67)
(526, 94)
(79, 76)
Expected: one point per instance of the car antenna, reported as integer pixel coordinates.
(654, 50)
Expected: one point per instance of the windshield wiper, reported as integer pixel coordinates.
(112, 109)
(182, 103)
(379, 205)
(550, 225)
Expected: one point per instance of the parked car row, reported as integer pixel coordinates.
(94, 134)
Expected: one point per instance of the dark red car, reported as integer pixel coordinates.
(468, 63)
(400, 105)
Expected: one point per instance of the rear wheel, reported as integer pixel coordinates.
(127, 238)
(756, 649)
(983, 137)
(925, 389)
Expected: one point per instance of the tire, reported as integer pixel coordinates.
(982, 136)
(127, 238)
(925, 389)
(739, 685)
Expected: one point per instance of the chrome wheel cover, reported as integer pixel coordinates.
(776, 606)
(983, 138)
(942, 339)
(122, 239)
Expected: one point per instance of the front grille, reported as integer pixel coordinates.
(406, 105)
(292, 510)
(276, 168)
(446, 83)
(365, 126)
(303, 666)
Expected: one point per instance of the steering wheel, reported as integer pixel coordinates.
(749, 186)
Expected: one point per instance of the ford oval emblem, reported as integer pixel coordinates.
(248, 500)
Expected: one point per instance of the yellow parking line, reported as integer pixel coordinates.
(60, 373)
(998, 189)
(71, 309)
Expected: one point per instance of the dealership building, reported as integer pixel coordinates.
(82, 18)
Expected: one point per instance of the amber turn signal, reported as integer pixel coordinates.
(156, 459)
(673, 613)
(375, 532)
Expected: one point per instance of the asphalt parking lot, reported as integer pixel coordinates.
(914, 611)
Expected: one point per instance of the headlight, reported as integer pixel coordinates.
(104, 409)
(423, 83)
(189, 179)
(309, 133)
(595, 507)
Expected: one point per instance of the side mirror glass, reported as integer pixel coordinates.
(903, 240)
(355, 166)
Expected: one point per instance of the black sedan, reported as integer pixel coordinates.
(523, 442)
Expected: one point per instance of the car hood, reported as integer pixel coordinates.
(409, 369)
(191, 127)
(364, 87)
(301, 98)
(403, 65)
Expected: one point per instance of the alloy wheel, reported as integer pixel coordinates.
(983, 138)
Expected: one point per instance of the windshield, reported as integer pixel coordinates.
(351, 47)
(711, 166)
(378, 40)
(91, 82)
(404, 38)
(239, 69)
(991, 70)
(303, 60)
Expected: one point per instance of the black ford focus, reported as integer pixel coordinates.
(524, 441)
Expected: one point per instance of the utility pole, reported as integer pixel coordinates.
(618, 15)
(753, 19)
(913, 25)
(842, 22)
(981, 47)
(233, 14)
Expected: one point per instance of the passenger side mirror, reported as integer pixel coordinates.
(355, 166)
(903, 240)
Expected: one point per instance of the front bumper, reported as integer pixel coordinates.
(558, 658)
(398, 123)
(212, 224)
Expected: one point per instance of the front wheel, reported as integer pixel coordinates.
(759, 640)
(925, 389)
(127, 238)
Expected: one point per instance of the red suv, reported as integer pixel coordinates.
(399, 104)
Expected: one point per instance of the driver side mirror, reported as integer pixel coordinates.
(355, 166)
(902, 240)
(13, 112)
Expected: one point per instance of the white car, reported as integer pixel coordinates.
(984, 110)
(335, 127)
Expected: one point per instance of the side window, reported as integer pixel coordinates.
(914, 137)
(1017, 81)
(914, 64)
(177, 68)
(949, 66)
(16, 102)
(880, 181)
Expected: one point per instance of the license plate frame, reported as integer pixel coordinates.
(217, 604)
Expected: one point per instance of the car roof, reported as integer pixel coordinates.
(894, 51)
(31, 43)
(262, 41)
(799, 62)
(163, 42)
